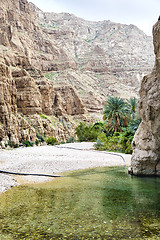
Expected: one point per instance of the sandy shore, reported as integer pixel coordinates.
(52, 160)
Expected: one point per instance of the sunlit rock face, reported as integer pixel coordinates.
(110, 58)
(54, 68)
(26, 95)
(146, 143)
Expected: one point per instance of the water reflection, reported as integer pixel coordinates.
(135, 202)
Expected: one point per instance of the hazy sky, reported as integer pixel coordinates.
(142, 13)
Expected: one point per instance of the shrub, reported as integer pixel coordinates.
(51, 141)
(134, 124)
(71, 140)
(126, 138)
(10, 143)
(119, 141)
(50, 75)
(88, 132)
(27, 143)
(128, 150)
(37, 142)
(43, 116)
(40, 137)
(16, 145)
(98, 145)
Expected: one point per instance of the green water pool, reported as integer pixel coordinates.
(101, 203)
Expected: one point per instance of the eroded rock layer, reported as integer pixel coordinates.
(30, 104)
(54, 68)
(111, 58)
(146, 143)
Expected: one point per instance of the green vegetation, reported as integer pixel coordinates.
(27, 143)
(43, 116)
(50, 26)
(121, 121)
(116, 114)
(16, 145)
(82, 92)
(11, 144)
(51, 141)
(37, 142)
(71, 140)
(42, 25)
(134, 123)
(20, 34)
(87, 40)
(50, 75)
(117, 131)
(132, 103)
(101, 203)
(40, 137)
(89, 132)
(119, 142)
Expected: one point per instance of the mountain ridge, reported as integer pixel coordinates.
(106, 55)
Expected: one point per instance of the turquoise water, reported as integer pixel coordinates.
(101, 203)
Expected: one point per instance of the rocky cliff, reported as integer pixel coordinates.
(146, 143)
(110, 58)
(30, 104)
(54, 68)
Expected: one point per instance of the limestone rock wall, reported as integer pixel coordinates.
(30, 104)
(102, 46)
(105, 58)
(98, 58)
(28, 107)
(12, 126)
(28, 96)
(55, 66)
(146, 143)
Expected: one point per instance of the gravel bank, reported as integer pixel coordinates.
(52, 160)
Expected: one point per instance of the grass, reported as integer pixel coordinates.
(50, 75)
(43, 116)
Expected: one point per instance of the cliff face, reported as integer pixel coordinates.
(146, 144)
(26, 96)
(110, 58)
(56, 67)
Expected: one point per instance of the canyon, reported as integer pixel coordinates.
(58, 69)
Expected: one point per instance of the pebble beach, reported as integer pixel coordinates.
(52, 160)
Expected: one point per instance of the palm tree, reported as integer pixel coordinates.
(132, 103)
(116, 114)
(134, 123)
